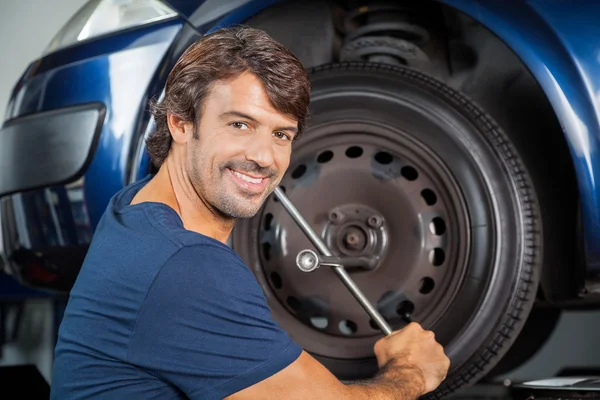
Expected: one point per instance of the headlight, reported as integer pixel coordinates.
(99, 17)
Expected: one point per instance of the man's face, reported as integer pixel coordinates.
(242, 149)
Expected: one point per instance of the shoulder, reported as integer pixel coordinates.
(206, 257)
(207, 272)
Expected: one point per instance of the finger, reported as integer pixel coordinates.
(430, 335)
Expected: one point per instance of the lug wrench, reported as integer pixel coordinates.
(337, 267)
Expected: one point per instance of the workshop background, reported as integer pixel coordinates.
(26, 28)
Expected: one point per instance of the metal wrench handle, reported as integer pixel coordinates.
(341, 272)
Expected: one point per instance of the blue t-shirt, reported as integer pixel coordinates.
(160, 312)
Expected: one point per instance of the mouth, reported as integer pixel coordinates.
(250, 183)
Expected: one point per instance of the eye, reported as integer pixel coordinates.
(239, 125)
(281, 135)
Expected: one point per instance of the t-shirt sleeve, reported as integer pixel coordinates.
(205, 326)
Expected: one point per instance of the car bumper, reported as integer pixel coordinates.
(42, 154)
(56, 146)
(75, 125)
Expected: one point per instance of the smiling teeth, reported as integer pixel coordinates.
(247, 178)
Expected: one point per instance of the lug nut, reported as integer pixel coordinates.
(375, 221)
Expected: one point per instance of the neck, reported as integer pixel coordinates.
(172, 186)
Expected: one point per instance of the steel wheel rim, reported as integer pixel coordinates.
(432, 253)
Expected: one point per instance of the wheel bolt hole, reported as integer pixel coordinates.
(325, 156)
(384, 157)
(354, 152)
(266, 247)
(275, 197)
(437, 226)
(405, 307)
(335, 216)
(427, 285)
(276, 280)
(348, 327)
(373, 324)
(429, 197)
(409, 173)
(294, 303)
(319, 322)
(375, 221)
(437, 257)
(299, 171)
(268, 221)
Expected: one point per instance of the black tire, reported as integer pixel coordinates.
(496, 283)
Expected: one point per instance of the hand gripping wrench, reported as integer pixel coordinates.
(308, 260)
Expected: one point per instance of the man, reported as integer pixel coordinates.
(162, 307)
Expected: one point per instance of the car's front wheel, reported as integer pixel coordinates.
(403, 171)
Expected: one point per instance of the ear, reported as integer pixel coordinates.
(181, 131)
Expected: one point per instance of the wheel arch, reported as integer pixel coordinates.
(545, 46)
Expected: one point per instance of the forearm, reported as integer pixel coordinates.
(392, 382)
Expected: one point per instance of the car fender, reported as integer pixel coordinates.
(559, 43)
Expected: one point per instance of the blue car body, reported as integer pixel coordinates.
(558, 42)
(109, 81)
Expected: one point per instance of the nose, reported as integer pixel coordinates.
(260, 149)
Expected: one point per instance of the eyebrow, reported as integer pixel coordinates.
(246, 116)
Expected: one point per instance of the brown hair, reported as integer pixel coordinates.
(223, 55)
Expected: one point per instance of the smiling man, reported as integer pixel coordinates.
(162, 307)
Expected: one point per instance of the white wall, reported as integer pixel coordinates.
(26, 28)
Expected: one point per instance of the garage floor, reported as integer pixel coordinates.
(573, 349)
(574, 345)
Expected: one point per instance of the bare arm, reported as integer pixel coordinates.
(394, 381)
(306, 378)
(411, 364)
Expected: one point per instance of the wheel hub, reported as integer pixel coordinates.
(351, 232)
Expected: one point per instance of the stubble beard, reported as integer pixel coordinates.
(228, 204)
(235, 205)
